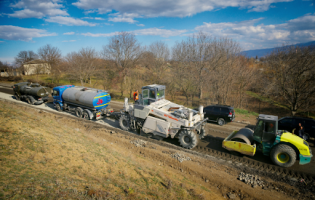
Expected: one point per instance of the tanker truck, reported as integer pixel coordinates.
(33, 93)
(87, 103)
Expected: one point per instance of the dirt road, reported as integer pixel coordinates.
(213, 140)
(211, 178)
(215, 135)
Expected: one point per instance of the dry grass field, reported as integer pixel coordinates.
(44, 156)
(52, 156)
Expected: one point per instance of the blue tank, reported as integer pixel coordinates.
(84, 97)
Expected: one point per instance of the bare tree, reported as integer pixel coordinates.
(52, 55)
(161, 54)
(182, 70)
(82, 65)
(223, 64)
(199, 55)
(134, 81)
(292, 74)
(244, 76)
(106, 74)
(125, 50)
(25, 56)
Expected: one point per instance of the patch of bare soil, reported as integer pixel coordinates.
(46, 155)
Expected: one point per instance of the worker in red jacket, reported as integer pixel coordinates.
(136, 96)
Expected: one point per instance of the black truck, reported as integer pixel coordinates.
(33, 93)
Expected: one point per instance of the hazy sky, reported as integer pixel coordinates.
(71, 25)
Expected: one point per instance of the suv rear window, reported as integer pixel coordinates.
(225, 110)
(286, 121)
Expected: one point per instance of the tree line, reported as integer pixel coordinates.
(200, 68)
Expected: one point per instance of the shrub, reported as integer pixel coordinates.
(4, 78)
(52, 85)
(42, 83)
(112, 95)
(31, 80)
(17, 78)
(11, 78)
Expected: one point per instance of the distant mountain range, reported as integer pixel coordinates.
(263, 52)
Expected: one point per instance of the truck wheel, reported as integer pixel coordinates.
(86, 115)
(58, 108)
(17, 97)
(187, 139)
(221, 121)
(124, 122)
(283, 155)
(79, 112)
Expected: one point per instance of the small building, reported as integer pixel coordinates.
(7, 72)
(36, 67)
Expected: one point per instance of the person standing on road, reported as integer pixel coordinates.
(136, 96)
(301, 131)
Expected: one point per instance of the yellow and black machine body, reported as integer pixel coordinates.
(283, 147)
(33, 93)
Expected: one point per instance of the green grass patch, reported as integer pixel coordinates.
(265, 99)
(245, 112)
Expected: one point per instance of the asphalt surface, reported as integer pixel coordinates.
(213, 140)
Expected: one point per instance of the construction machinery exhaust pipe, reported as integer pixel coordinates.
(190, 117)
(201, 111)
(126, 105)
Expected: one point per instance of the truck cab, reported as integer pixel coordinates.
(152, 93)
(57, 93)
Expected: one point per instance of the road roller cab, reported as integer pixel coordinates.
(283, 147)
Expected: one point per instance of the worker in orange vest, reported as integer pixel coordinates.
(136, 96)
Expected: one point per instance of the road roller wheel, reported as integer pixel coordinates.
(283, 155)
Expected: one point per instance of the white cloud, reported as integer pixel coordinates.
(69, 21)
(166, 8)
(87, 18)
(99, 18)
(69, 33)
(100, 34)
(140, 24)
(126, 17)
(1, 41)
(36, 9)
(96, 18)
(258, 35)
(69, 41)
(150, 31)
(19, 33)
(90, 11)
(159, 32)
